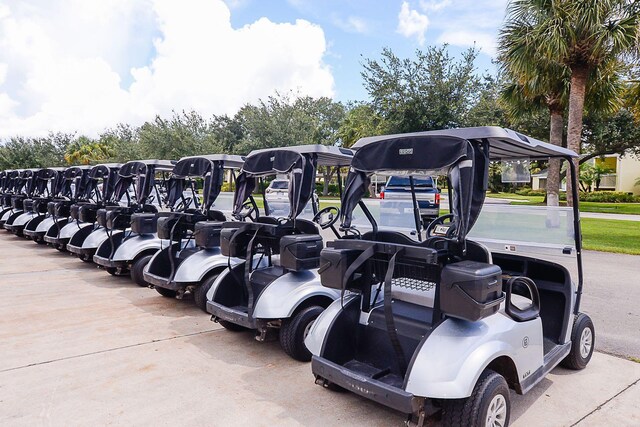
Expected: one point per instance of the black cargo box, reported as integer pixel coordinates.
(40, 205)
(334, 264)
(300, 252)
(470, 290)
(101, 217)
(62, 209)
(17, 201)
(236, 248)
(28, 205)
(75, 210)
(168, 222)
(88, 212)
(144, 223)
(118, 219)
(208, 234)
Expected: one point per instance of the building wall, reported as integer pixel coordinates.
(628, 171)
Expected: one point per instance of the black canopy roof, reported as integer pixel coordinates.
(463, 154)
(142, 173)
(210, 167)
(300, 162)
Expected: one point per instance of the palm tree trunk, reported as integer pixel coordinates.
(579, 75)
(553, 171)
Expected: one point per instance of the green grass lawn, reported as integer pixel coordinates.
(615, 208)
(610, 235)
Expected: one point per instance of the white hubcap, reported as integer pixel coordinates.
(586, 341)
(497, 412)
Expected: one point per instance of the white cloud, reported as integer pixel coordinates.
(486, 42)
(434, 5)
(63, 67)
(412, 23)
(352, 24)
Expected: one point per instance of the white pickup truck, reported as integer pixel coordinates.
(426, 190)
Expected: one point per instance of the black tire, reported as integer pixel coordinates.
(200, 294)
(137, 270)
(579, 356)
(230, 326)
(474, 410)
(292, 333)
(169, 293)
(112, 271)
(60, 247)
(39, 241)
(85, 258)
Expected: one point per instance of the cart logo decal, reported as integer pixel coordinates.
(525, 342)
(405, 151)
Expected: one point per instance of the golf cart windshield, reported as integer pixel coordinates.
(541, 232)
(394, 215)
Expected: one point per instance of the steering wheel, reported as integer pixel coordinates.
(438, 227)
(327, 217)
(247, 211)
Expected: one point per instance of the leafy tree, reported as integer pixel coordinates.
(579, 34)
(22, 152)
(361, 120)
(86, 151)
(124, 143)
(430, 91)
(617, 133)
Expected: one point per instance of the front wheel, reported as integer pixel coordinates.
(200, 293)
(583, 339)
(295, 330)
(137, 270)
(488, 405)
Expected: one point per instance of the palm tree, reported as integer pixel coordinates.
(580, 34)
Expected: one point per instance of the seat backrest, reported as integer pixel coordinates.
(478, 252)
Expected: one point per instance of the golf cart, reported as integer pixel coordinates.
(84, 242)
(8, 180)
(276, 285)
(85, 192)
(53, 180)
(41, 186)
(75, 181)
(450, 323)
(135, 221)
(191, 238)
(23, 190)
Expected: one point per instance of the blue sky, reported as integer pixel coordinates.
(86, 65)
(357, 29)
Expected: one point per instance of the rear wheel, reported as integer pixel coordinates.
(169, 293)
(60, 247)
(39, 241)
(488, 405)
(85, 258)
(200, 293)
(112, 270)
(295, 330)
(230, 326)
(137, 270)
(583, 339)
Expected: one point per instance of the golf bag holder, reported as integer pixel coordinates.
(144, 223)
(17, 201)
(300, 252)
(358, 264)
(6, 200)
(470, 290)
(236, 237)
(75, 210)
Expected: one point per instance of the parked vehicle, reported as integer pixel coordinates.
(8, 180)
(136, 221)
(115, 192)
(276, 197)
(56, 187)
(35, 205)
(23, 190)
(487, 302)
(276, 286)
(84, 191)
(191, 238)
(425, 189)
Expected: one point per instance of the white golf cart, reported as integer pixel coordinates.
(488, 301)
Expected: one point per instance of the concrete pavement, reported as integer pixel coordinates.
(80, 347)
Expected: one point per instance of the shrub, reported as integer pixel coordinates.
(530, 192)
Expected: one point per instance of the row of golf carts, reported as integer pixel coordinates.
(438, 319)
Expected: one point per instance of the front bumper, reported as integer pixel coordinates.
(108, 263)
(238, 317)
